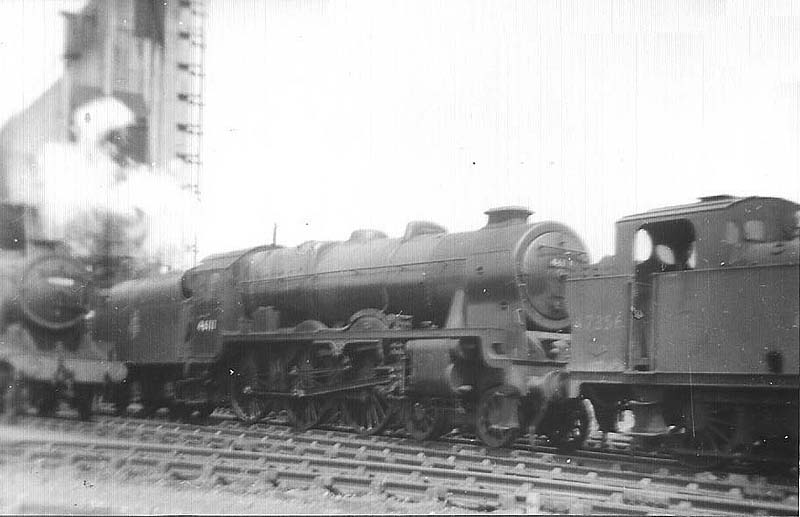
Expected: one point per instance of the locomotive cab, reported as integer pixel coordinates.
(697, 307)
(659, 247)
(664, 246)
(214, 300)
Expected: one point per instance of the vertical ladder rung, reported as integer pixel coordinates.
(192, 68)
(191, 98)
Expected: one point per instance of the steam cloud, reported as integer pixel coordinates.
(99, 204)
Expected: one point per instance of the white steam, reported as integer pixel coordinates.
(97, 206)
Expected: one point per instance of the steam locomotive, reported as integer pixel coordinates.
(439, 329)
(46, 350)
(692, 326)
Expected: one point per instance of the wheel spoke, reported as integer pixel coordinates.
(306, 413)
(246, 404)
(713, 434)
(369, 415)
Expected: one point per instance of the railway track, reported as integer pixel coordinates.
(613, 447)
(464, 475)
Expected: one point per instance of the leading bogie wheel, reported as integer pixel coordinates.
(496, 417)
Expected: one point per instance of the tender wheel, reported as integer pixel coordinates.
(152, 398)
(423, 419)
(204, 410)
(46, 401)
(306, 413)
(710, 435)
(12, 402)
(247, 406)
(122, 399)
(572, 426)
(368, 414)
(496, 417)
(179, 412)
(84, 397)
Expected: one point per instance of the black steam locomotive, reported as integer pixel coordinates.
(46, 350)
(439, 329)
(692, 326)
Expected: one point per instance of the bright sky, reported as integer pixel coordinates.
(324, 117)
(31, 43)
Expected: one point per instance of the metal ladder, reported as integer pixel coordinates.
(190, 71)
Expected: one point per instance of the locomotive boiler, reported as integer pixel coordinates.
(419, 275)
(692, 326)
(46, 352)
(440, 329)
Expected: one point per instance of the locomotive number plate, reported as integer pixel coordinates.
(600, 322)
(206, 325)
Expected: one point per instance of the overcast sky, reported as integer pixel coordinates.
(324, 117)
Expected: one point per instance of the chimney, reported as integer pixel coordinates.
(507, 216)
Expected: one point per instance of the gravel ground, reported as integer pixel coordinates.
(34, 489)
(30, 490)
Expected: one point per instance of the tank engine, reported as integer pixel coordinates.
(443, 329)
(693, 327)
(46, 352)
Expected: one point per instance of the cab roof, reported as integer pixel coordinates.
(704, 204)
(227, 259)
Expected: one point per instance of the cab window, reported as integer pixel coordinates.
(213, 284)
(732, 235)
(691, 262)
(755, 230)
(665, 246)
(200, 285)
(796, 232)
(642, 246)
(665, 255)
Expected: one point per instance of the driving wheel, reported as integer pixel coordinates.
(423, 419)
(248, 406)
(306, 413)
(369, 412)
